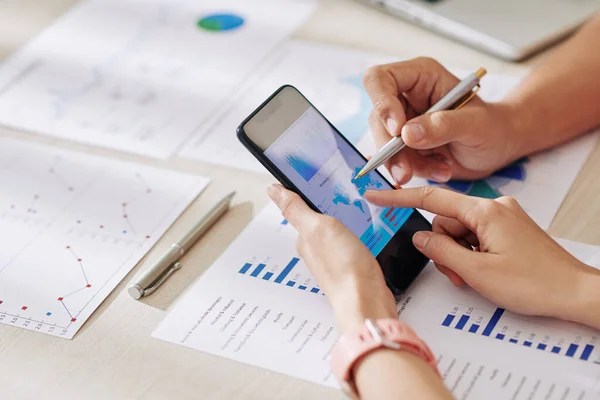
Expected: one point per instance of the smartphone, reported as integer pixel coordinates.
(309, 156)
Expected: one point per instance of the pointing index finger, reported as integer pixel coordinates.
(438, 201)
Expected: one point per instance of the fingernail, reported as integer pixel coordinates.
(442, 175)
(274, 192)
(397, 173)
(414, 131)
(420, 239)
(392, 126)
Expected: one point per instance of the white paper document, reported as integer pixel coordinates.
(140, 75)
(259, 304)
(72, 226)
(329, 76)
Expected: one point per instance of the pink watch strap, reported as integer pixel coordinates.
(381, 333)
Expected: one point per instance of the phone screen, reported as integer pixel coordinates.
(319, 162)
(297, 144)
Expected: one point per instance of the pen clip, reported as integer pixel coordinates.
(467, 97)
(163, 278)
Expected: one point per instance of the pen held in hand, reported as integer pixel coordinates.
(460, 95)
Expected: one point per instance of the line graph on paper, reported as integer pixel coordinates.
(72, 227)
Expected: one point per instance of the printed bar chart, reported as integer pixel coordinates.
(461, 322)
(510, 332)
(493, 322)
(448, 320)
(245, 268)
(258, 270)
(587, 351)
(288, 268)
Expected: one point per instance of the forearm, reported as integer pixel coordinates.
(560, 99)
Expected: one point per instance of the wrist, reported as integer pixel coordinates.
(585, 305)
(517, 126)
(359, 298)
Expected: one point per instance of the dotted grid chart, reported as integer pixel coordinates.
(72, 226)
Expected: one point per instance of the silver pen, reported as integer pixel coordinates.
(460, 95)
(169, 262)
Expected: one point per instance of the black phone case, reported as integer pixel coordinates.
(272, 168)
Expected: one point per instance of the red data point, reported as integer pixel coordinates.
(1, 302)
(60, 299)
(79, 259)
(147, 236)
(101, 226)
(24, 308)
(73, 319)
(88, 285)
(68, 247)
(125, 216)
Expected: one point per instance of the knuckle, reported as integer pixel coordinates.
(509, 202)
(372, 74)
(471, 217)
(323, 227)
(427, 62)
(381, 105)
(288, 206)
(426, 194)
(442, 121)
(437, 246)
(489, 208)
(329, 223)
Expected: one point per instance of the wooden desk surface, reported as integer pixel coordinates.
(113, 356)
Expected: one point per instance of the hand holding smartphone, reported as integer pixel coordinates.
(309, 156)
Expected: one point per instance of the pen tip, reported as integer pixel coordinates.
(480, 73)
(230, 196)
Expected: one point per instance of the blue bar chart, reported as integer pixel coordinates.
(284, 277)
(517, 330)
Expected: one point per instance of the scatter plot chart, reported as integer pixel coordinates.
(72, 227)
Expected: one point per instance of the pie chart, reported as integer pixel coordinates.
(220, 22)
